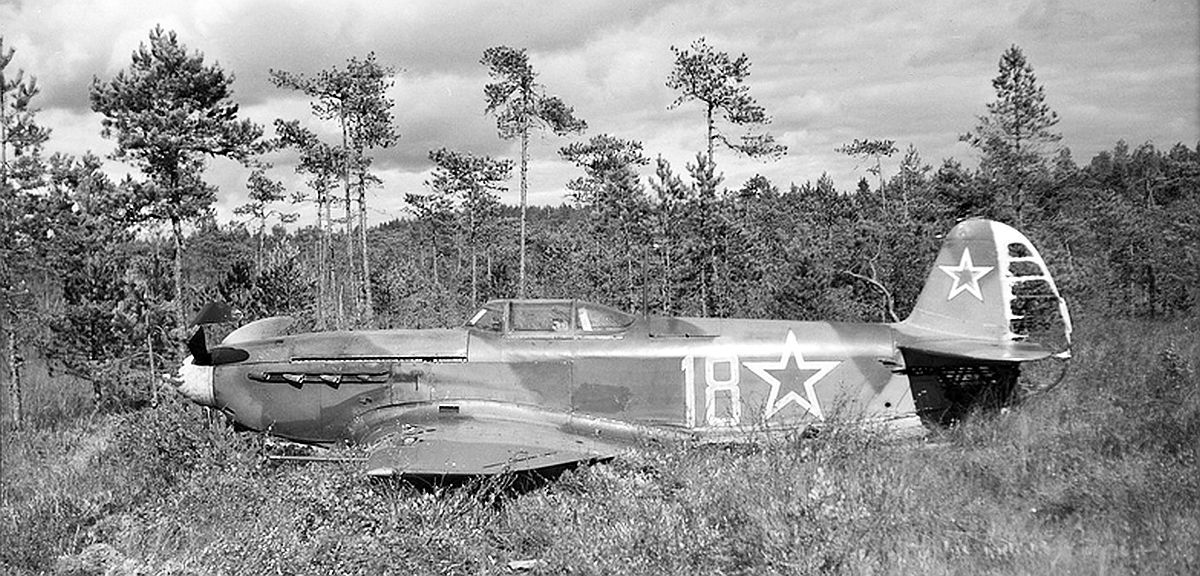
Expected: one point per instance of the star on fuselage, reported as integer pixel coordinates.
(775, 403)
(966, 276)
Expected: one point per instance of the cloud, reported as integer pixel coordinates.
(826, 71)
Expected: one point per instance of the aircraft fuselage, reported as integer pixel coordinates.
(704, 377)
(535, 384)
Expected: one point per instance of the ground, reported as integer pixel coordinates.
(1099, 475)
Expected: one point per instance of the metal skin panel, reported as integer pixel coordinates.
(718, 384)
(724, 383)
(392, 344)
(547, 382)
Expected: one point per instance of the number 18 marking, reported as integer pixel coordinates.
(713, 384)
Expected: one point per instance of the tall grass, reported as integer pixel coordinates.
(1097, 476)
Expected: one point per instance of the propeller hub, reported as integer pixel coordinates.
(196, 382)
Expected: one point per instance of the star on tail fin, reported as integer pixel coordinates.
(989, 297)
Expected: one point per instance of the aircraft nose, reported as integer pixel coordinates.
(196, 382)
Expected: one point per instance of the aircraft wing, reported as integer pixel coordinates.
(467, 446)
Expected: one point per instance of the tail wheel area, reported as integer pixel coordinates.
(1042, 376)
(953, 392)
(946, 389)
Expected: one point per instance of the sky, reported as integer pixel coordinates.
(826, 71)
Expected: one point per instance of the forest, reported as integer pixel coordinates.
(100, 278)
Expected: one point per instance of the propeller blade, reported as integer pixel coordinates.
(199, 348)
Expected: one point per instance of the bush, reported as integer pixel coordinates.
(1098, 474)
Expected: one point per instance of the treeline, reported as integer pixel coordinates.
(100, 276)
(1120, 233)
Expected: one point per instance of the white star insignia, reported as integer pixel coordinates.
(966, 276)
(791, 349)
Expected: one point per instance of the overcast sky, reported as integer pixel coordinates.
(826, 71)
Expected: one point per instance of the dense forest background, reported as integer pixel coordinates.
(99, 276)
(104, 471)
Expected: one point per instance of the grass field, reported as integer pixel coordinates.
(1097, 476)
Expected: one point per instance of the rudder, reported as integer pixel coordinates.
(989, 296)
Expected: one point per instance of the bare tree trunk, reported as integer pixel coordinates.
(349, 243)
(326, 260)
(180, 306)
(262, 234)
(458, 255)
(341, 306)
(322, 275)
(349, 229)
(668, 288)
(473, 238)
(434, 247)
(13, 358)
(368, 305)
(524, 187)
(709, 117)
(150, 367)
(3, 126)
(628, 246)
(474, 279)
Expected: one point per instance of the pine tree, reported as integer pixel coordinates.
(323, 164)
(873, 149)
(612, 193)
(21, 167)
(1015, 135)
(169, 112)
(263, 193)
(356, 98)
(521, 104)
(717, 82)
(464, 196)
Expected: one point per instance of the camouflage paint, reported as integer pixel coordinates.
(545, 371)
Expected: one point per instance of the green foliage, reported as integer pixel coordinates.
(85, 483)
(459, 221)
(263, 192)
(1097, 475)
(616, 209)
(520, 104)
(519, 101)
(168, 112)
(19, 130)
(1014, 135)
(356, 98)
(716, 81)
(874, 149)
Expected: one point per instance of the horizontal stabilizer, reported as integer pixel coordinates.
(988, 351)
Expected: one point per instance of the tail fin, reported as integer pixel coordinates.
(989, 297)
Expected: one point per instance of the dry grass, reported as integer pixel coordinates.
(1098, 476)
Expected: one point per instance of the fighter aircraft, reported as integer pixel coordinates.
(535, 384)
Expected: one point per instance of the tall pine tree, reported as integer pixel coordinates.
(169, 113)
(356, 98)
(718, 83)
(521, 104)
(1015, 136)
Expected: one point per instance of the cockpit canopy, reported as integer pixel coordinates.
(548, 317)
